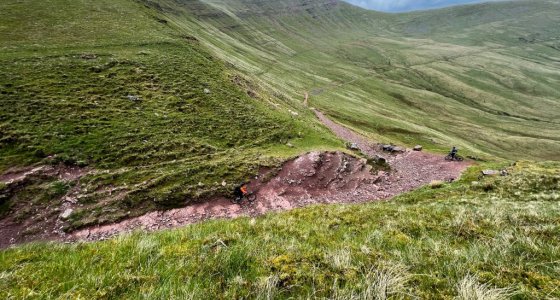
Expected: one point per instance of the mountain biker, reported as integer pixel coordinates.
(240, 192)
(453, 152)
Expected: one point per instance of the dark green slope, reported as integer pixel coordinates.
(146, 107)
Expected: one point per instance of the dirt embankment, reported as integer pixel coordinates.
(410, 169)
(316, 177)
(26, 221)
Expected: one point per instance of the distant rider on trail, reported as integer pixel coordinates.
(453, 152)
(242, 192)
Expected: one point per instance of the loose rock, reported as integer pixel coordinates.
(66, 214)
(380, 159)
(388, 148)
(134, 98)
(398, 149)
(353, 146)
(490, 172)
(88, 56)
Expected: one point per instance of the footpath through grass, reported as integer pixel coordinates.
(499, 236)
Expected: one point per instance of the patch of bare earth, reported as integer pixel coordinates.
(313, 178)
(409, 169)
(23, 221)
(316, 177)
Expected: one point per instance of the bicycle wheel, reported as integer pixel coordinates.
(251, 198)
(236, 200)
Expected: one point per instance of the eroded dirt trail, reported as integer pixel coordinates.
(316, 177)
(348, 135)
(27, 222)
(312, 178)
(410, 169)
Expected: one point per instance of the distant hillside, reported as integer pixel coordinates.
(481, 76)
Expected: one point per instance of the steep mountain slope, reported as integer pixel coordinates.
(158, 121)
(130, 89)
(488, 72)
(113, 108)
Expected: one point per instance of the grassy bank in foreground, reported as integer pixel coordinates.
(499, 236)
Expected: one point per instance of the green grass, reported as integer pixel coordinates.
(40, 25)
(489, 72)
(69, 69)
(221, 86)
(461, 238)
(147, 108)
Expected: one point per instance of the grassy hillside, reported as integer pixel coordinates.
(136, 90)
(498, 236)
(488, 72)
(166, 102)
(145, 107)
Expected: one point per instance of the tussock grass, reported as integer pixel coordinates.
(436, 184)
(469, 289)
(268, 287)
(452, 242)
(340, 259)
(389, 282)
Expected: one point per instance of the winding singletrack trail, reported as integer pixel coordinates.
(410, 169)
(328, 177)
(312, 178)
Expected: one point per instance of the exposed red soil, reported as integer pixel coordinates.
(39, 222)
(316, 177)
(408, 168)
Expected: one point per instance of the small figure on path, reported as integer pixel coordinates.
(453, 152)
(240, 192)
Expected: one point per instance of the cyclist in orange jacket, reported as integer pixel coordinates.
(240, 192)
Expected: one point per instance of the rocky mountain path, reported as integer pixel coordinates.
(316, 177)
(312, 178)
(407, 167)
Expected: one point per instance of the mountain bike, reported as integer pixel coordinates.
(250, 197)
(456, 158)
